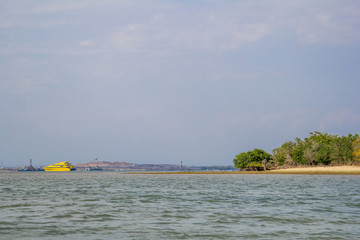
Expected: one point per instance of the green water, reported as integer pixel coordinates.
(109, 205)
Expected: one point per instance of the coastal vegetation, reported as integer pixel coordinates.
(250, 159)
(319, 149)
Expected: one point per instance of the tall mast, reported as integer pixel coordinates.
(31, 167)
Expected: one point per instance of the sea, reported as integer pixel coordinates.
(113, 205)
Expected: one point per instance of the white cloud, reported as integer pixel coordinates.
(322, 28)
(61, 6)
(86, 43)
(168, 33)
(223, 36)
(252, 32)
(339, 118)
(237, 24)
(330, 25)
(128, 39)
(176, 28)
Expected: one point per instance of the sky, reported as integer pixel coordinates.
(155, 81)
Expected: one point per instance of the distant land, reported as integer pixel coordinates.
(132, 167)
(124, 166)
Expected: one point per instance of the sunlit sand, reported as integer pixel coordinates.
(319, 170)
(334, 170)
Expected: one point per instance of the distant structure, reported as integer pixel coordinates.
(97, 168)
(30, 168)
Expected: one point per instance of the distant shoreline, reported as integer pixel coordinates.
(324, 170)
(336, 170)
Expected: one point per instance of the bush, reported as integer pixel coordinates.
(255, 164)
(243, 160)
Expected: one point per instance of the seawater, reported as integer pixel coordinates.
(110, 205)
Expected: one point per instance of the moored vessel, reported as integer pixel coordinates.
(60, 167)
(30, 168)
(97, 168)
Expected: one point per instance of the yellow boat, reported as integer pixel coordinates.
(60, 167)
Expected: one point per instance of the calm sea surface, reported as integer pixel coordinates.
(109, 205)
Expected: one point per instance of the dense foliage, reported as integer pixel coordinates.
(318, 149)
(356, 150)
(251, 159)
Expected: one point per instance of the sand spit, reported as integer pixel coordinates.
(338, 170)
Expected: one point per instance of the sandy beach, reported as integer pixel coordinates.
(334, 170)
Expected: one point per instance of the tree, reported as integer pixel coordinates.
(245, 159)
(284, 154)
(298, 152)
(330, 149)
(344, 149)
(356, 150)
(319, 149)
(326, 147)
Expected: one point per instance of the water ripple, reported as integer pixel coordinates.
(117, 206)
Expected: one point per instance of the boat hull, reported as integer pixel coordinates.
(50, 169)
(60, 167)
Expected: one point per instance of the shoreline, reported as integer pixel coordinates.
(323, 170)
(337, 170)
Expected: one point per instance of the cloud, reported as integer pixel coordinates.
(340, 118)
(86, 43)
(182, 75)
(172, 27)
(226, 35)
(204, 35)
(129, 39)
(235, 25)
(329, 24)
(63, 6)
(324, 28)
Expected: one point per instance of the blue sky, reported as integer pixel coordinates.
(169, 81)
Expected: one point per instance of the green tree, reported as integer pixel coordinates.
(356, 150)
(343, 150)
(284, 154)
(244, 159)
(298, 152)
(318, 149)
(325, 148)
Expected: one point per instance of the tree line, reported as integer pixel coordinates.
(317, 149)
